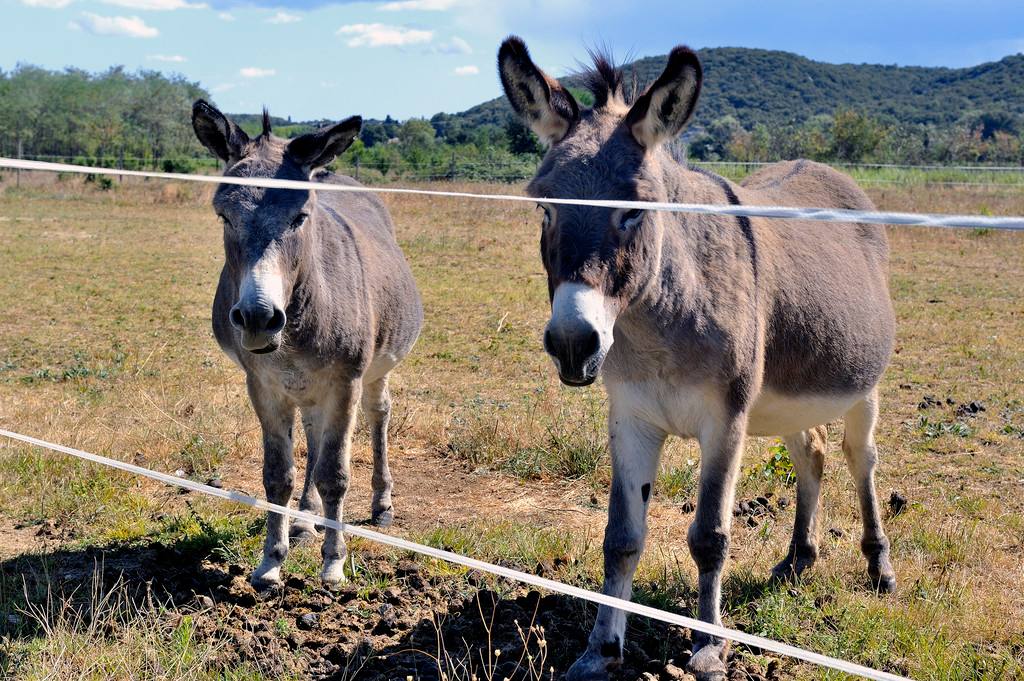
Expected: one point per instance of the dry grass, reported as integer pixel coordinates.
(105, 345)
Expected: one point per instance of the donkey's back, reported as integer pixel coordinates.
(363, 228)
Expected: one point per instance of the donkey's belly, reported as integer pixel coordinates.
(686, 410)
(777, 414)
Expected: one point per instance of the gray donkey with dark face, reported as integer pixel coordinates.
(317, 304)
(710, 327)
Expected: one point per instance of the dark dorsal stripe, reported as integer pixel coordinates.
(739, 391)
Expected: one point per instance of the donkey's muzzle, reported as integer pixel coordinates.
(576, 352)
(260, 325)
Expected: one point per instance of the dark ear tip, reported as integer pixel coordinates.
(682, 55)
(512, 45)
(202, 107)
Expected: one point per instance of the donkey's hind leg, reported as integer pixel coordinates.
(861, 457)
(377, 407)
(807, 450)
(303, 530)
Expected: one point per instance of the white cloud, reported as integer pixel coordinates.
(132, 27)
(418, 5)
(468, 70)
(48, 4)
(455, 46)
(169, 58)
(157, 5)
(284, 18)
(223, 87)
(256, 72)
(382, 35)
(225, 16)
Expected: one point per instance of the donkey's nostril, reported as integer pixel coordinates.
(592, 344)
(276, 321)
(548, 344)
(237, 319)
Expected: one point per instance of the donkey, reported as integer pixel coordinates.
(710, 327)
(317, 304)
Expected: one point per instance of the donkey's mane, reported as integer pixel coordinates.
(605, 79)
(266, 122)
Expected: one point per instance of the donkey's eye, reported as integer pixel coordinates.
(224, 221)
(299, 220)
(631, 219)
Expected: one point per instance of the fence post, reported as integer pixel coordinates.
(120, 165)
(18, 174)
(357, 169)
(451, 171)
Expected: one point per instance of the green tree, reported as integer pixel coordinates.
(373, 133)
(855, 136)
(416, 133)
(521, 139)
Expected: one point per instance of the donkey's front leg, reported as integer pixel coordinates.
(721, 446)
(332, 473)
(635, 450)
(276, 416)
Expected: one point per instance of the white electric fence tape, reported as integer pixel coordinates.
(817, 214)
(472, 563)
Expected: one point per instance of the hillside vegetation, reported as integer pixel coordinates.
(777, 88)
(757, 105)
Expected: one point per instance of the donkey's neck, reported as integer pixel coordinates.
(310, 295)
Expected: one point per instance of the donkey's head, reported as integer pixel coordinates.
(266, 231)
(598, 260)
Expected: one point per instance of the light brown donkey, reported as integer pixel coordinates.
(710, 327)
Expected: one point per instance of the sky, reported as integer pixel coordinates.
(317, 59)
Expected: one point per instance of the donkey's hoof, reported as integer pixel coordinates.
(383, 517)
(883, 577)
(707, 663)
(302, 533)
(266, 581)
(884, 583)
(591, 666)
(790, 570)
(333, 574)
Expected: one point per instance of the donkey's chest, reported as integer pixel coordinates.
(296, 380)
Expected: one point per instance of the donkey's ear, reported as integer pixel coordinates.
(539, 99)
(217, 132)
(318, 148)
(666, 107)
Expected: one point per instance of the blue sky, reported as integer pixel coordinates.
(319, 59)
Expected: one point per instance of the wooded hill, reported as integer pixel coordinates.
(756, 105)
(776, 88)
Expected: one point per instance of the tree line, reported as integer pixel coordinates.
(123, 119)
(113, 116)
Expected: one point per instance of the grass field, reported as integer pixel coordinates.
(105, 345)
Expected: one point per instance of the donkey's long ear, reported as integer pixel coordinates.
(217, 132)
(318, 148)
(539, 99)
(665, 108)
